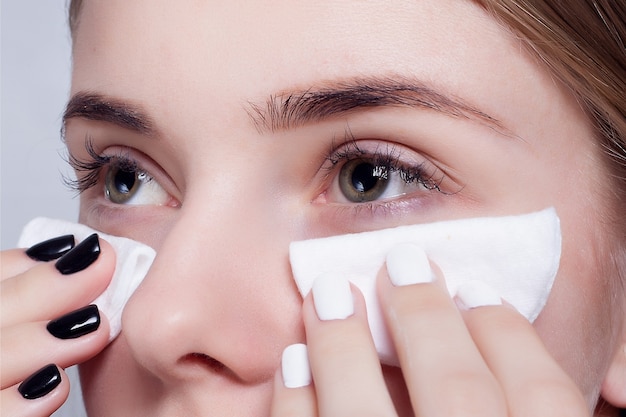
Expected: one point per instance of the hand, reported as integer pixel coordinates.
(466, 358)
(45, 323)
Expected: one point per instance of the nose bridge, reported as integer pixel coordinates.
(223, 290)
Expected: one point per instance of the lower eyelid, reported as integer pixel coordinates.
(353, 218)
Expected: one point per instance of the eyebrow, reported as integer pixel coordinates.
(94, 106)
(297, 108)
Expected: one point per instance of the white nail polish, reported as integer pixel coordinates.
(408, 264)
(332, 297)
(295, 366)
(474, 294)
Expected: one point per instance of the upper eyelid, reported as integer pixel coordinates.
(99, 149)
(93, 164)
(379, 155)
(350, 146)
(383, 153)
(388, 155)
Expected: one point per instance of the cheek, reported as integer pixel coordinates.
(579, 321)
(112, 381)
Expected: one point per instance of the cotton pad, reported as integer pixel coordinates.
(518, 256)
(132, 264)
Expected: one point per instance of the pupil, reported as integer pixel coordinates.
(364, 177)
(124, 181)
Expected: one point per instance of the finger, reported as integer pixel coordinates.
(533, 383)
(294, 395)
(44, 292)
(346, 372)
(443, 369)
(16, 261)
(45, 391)
(66, 341)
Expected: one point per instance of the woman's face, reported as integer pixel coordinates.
(252, 120)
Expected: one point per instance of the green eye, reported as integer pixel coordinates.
(362, 181)
(121, 184)
(126, 184)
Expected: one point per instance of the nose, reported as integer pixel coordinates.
(219, 302)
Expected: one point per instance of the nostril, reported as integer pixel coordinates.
(205, 362)
(200, 359)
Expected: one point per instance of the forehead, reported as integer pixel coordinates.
(206, 58)
(263, 40)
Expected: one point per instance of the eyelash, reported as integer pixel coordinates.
(92, 167)
(387, 157)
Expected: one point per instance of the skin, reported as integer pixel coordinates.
(204, 333)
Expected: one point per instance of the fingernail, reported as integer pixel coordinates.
(474, 294)
(79, 258)
(407, 265)
(75, 324)
(332, 297)
(40, 383)
(295, 366)
(51, 249)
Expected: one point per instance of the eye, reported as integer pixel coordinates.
(361, 181)
(384, 173)
(126, 183)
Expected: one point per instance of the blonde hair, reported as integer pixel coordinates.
(582, 44)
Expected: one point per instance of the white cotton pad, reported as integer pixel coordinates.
(133, 261)
(518, 256)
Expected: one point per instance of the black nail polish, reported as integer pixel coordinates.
(79, 258)
(75, 324)
(51, 249)
(40, 383)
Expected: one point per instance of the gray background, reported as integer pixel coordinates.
(35, 72)
(35, 76)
